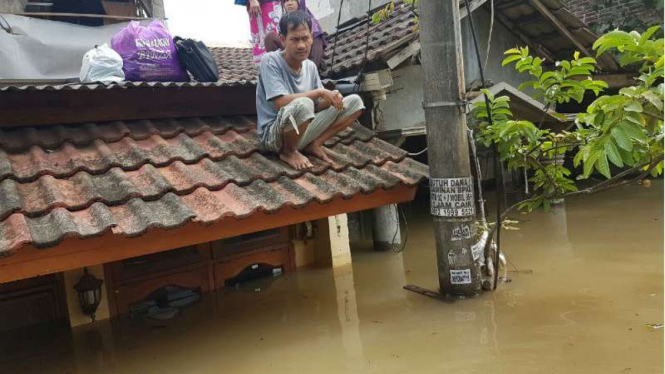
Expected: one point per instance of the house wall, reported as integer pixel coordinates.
(12, 6)
(332, 246)
(327, 11)
(407, 90)
(76, 316)
(502, 40)
(158, 9)
(606, 15)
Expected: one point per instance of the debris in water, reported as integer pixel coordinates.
(655, 326)
(527, 271)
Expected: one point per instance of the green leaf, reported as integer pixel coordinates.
(529, 84)
(622, 138)
(376, 18)
(636, 118)
(654, 99)
(510, 59)
(634, 131)
(588, 60)
(578, 158)
(627, 157)
(603, 166)
(547, 75)
(589, 162)
(612, 39)
(649, 33)
(613, 153)
(578, 70)
(633, 106)
(512, 51)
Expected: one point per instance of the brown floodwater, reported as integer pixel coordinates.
(585, 281)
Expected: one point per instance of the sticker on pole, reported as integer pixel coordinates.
(452, 197)
(460, 276)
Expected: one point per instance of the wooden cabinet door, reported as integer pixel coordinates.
(31, 301)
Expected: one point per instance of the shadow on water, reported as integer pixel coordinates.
(586, 279)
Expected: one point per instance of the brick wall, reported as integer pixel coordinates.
(606, 15)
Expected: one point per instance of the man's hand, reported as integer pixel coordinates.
(254, 8)
(334, 98)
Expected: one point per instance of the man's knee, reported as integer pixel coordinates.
(303, 109)
(353, 103)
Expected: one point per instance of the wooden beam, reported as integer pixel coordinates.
(403, 55)
(616, 80)
(48, 107)
(74, 253)
(78, 15)
(545, 11)
(473, 5)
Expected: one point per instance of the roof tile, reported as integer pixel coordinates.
(130, 177)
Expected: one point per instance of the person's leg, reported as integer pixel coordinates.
(328, 123)
(299, 112)
(272, 42)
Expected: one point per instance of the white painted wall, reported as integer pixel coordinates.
(326, 11)
(12, 6)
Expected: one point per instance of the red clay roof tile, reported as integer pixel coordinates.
(130, 177)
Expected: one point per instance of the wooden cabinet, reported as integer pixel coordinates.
(275, 256)
(201, 268)
(31, 301)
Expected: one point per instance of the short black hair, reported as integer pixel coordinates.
(292, 20)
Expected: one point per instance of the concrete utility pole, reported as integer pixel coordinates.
(451, 185)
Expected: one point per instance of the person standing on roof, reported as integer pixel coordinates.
(273, 42)
(295, 113)
(264, 18)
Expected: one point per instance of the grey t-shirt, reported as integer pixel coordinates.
(276, 78)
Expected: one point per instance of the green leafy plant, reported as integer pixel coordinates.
(624, 130)
(385, 13)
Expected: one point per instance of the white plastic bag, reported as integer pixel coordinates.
(102, 64)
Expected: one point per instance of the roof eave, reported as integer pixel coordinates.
(74, 253)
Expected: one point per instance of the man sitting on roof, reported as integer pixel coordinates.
(295, 112)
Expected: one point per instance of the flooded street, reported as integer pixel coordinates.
(589, 279)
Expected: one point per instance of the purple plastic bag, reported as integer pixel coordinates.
(148, 53)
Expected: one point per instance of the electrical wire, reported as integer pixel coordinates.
(489, 38)
(418, 153)
(405, 240)
(498, 166)
(362, 70)
(7, 28)
(339, 17)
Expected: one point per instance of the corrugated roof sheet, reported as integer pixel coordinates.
(129, 177)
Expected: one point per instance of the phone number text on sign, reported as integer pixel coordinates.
(452, 197)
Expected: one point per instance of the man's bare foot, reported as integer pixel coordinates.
(296, 160)
(318, 151)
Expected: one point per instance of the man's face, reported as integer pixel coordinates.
(298, 42)
(291, 5)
